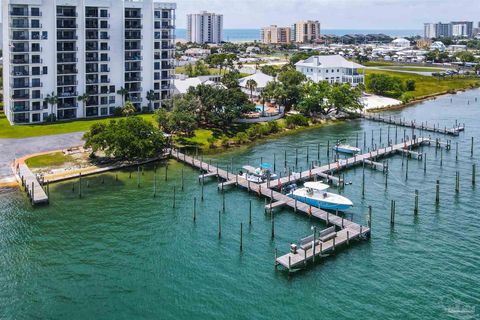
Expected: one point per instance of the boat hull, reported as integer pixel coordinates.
(345, 150)
(320, 204)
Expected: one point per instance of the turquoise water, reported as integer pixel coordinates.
(242, 35)
(120, 253)
(259, 108)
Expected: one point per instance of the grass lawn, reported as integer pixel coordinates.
(426, 86)
(417, 69)
(49, 160)
(35, 130)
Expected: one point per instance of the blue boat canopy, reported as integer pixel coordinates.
(266, 166)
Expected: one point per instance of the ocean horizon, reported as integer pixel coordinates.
(244, 35)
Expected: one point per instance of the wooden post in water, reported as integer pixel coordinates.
(182, 178)
(194, 209)
(425, 162)
(174, 196)
(380, 137)
(415, 210)
(273, 224)
(457, 182)
(296, 158)
(223, 201)
(473, 173)
(274, 163)
(203, 183)
(155, 183)
(328, 149)
(364, 140)
(166, 172)
(441, 157)
(396, 135)
(471, 149)
(219, 224)
(356, 140)
(138, 176)
(250, 213)
(318, 151)
(363, 181)
(406, 170)
(79, 186)
(241, 236)
(392, 213)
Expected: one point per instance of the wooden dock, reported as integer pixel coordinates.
(454, 131)
(32, 186)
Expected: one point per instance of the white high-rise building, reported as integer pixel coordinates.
(90, 49)
(205, 27)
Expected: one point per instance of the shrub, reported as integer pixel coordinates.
(241, 138)
(296, 120)
(407, 97)
(255, 131)
(273, 126)
(410, 85)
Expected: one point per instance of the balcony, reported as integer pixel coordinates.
(19, 25)
(91, 70)
(67, 13)
(20, 85)
(92, 81)
(133, 68)
(20, 36)
(68, 71)
(67, 82)
(167, 66)
(133, 57)
(91, 25)
(133, 25)
(167, 47)
(19, 12)
(20, 96)
(67, 94)
(91, 48)
(67, 59)
(105, 81)
(20, 108)
(37, 84)
(20, 73)
(133, 35)
(66, 25)
(67, 36)
(92, 59)
(64, 48)
(66, 105)
(132, 79)
(133, 14)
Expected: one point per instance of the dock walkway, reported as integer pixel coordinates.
(455, 131)
(348, 230)
(32, 186)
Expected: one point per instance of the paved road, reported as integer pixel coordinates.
(399, 69)
(11, 149)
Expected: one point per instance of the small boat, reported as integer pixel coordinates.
(314, 194)
(258, 175)
(345, 148)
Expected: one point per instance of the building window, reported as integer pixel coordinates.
(44, 35)
(35, 71)
(112, 89)
(45, 70)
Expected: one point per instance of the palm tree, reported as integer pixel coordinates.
(84, 98)
(128, 109)
(251, 85)
(150, 98)
(123, 92)
(53, 100)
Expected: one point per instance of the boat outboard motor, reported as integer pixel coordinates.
(240, 173)
(290, 188)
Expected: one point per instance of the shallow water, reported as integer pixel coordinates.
(118, 252)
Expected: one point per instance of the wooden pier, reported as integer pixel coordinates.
(455, 131)
(32, 186)
(347, 229)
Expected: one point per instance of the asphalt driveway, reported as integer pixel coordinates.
(11, 149)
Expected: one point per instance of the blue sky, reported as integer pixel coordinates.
(334, 14)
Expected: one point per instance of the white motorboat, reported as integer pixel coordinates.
(314, 194)
(258, 175)
(346, 148)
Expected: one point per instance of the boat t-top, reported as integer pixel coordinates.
(345, 148)
(258, 175)
(314, 194)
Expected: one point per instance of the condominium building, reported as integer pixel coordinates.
(276, 35)
(306, 31)
(82, 53)
(205, 27)
(463, 29)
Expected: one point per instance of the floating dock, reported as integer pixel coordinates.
(455, 131)
(348, 230)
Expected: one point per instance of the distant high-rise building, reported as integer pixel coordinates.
(430, 30)
(276, 35)
(444, 30)
(462, 29)
(307, 31)
(205, 27)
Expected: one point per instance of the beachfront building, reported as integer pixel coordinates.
(276, 35)
(82, 52)
(205, 27)
(437, 30)
(306, 31)
(331, 68)
(462, 29)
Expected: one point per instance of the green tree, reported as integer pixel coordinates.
(410, 85)
(130, 138)
(230, 79)
(291, 81)
(83, 99)
(128, 109)
(201, 69)
(345, 98)
(315, 98)
(269, 70)
(385, 85)
(150, 97)
(123, 92)
(251, 85)
(465, 56)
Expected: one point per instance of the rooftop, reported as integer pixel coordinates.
(330, 61)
